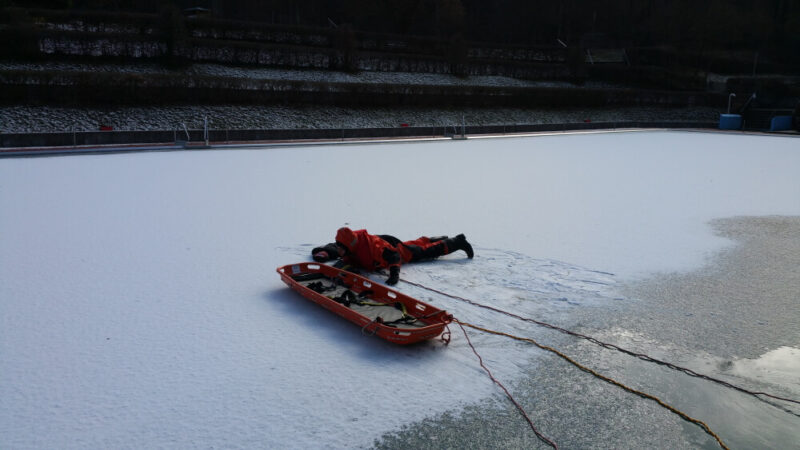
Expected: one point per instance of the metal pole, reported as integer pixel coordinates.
(205, 129)
(729, 101)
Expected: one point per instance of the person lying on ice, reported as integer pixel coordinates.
(375, 252)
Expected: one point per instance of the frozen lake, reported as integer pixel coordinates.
(139, 304)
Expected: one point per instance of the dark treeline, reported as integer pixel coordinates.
(770, 26)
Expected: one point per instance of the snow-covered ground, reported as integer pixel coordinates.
(267, 73)
(140, 308)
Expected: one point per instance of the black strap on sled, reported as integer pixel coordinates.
(348, 298)
(317, 286)
(308, 276)
(406, 319)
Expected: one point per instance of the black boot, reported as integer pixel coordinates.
(459, 243)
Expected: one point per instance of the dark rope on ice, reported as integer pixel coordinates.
(645, 395)
(607, 345)
(508, 394)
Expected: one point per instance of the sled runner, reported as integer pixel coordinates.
(377, 309)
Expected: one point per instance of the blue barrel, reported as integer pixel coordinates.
(780, 123)
(730, 121)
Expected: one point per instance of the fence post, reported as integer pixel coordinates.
(205, 129)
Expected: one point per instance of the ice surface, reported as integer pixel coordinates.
(139, 304)
(780, 366)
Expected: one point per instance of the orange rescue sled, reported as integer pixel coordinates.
(376, 308)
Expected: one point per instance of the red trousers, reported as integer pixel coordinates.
(421, 249)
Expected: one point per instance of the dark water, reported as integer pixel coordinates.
(736, 319)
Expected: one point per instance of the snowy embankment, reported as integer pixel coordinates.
(33, 119)
(141, 308)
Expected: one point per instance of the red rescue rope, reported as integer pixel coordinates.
(508, 394)
(593, 340)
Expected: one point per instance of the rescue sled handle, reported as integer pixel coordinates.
(428, 321)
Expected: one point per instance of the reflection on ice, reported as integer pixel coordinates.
(780, 366)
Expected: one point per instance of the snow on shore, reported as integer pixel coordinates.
(43, 119)
(266, 73)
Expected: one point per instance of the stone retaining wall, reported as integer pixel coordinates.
(22, 140)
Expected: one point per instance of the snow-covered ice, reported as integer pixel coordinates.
(140, 308)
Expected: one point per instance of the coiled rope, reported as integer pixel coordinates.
(593, 340)
(671, 408)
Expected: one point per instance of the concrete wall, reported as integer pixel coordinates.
(105, 138)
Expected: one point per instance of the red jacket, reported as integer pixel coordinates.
(366, 250)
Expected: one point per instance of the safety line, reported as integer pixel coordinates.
(672, 409)
(508, 394)
(593, 340)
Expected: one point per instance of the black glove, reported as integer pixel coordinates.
(340, 264)
(394, 275)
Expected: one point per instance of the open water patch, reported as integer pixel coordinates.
(735, 319)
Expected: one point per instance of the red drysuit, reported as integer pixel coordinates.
(367, 251)
(375, 252)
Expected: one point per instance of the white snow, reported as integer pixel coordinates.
(140, 308)
(269, 73)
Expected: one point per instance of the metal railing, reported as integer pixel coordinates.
(171, 137)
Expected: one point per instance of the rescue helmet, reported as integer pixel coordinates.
(346, 238)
